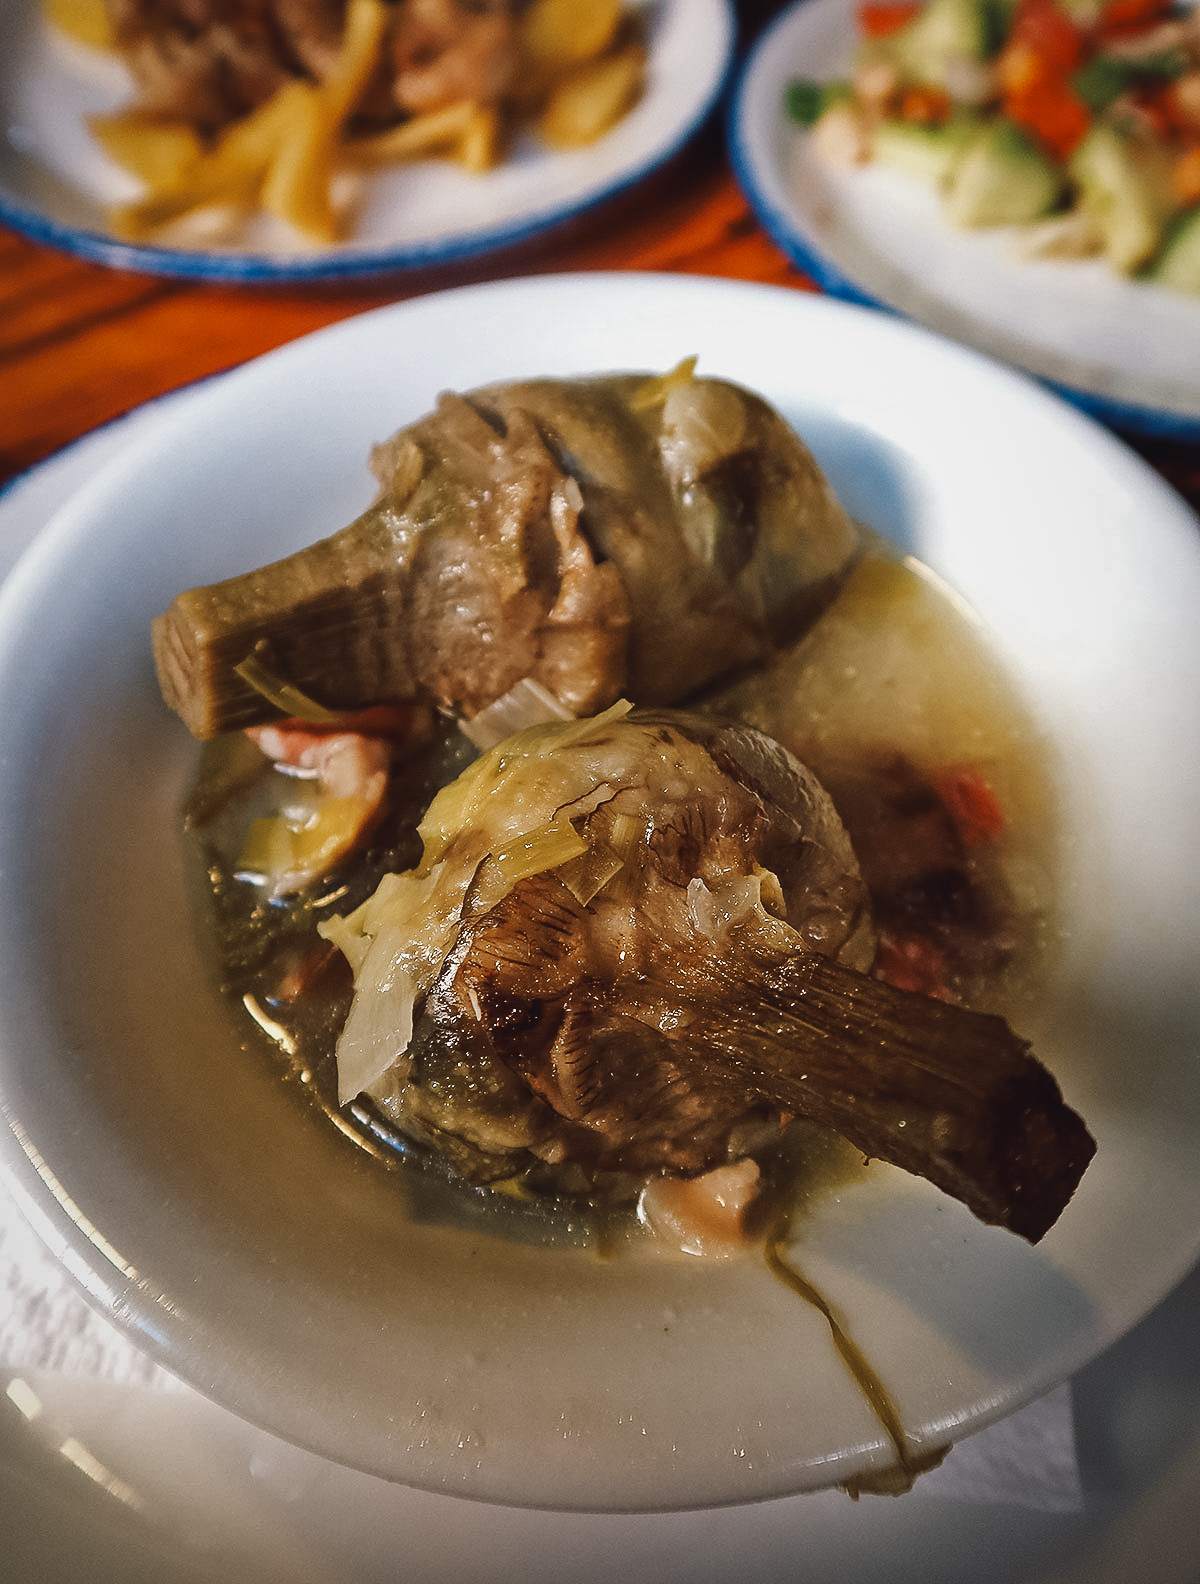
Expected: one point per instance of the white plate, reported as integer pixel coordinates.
(1125, 350)
(55, 183)
(124, 1482)
(269, 1264)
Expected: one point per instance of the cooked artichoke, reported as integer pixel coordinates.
(635, 944)
(621, 536)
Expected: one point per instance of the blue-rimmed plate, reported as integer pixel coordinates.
(55, 183)
(1127, 351)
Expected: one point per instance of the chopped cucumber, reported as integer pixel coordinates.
(1124, 184)
(929, 154)
(997, 20)
(1178, 265)
(944, 32)
(1104, 78)
(1002, 178)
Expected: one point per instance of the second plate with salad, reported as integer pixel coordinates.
(1119, 344)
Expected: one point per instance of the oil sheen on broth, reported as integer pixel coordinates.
(895, 701)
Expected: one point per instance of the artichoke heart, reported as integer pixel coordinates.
(617, 536)
(714, 983)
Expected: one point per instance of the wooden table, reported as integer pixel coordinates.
(81, 344)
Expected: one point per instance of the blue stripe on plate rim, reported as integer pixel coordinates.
(1156, 423)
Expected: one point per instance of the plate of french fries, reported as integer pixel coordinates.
(390, 134)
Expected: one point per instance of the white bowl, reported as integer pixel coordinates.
(401, 1329)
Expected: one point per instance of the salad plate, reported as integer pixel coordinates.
(278, 1269)
(1122, 349)
(56, 184)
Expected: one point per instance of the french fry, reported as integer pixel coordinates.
(281, 156)
(228, 176)
(586, 102)
(157, 152)
(86, 21)
(580, 73)
(296, 188)
(357, 58)
(479, 147)
(559, 34)
(435, 132)
(463, 131)
(296, 185)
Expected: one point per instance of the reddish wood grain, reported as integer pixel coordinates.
(81, 344)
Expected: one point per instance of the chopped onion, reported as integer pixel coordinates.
(586, 876)
(703, 423)
(380, 1023)
(525, 766)
(256, 673)
(656, 390)
(527, 703)
(554, 843)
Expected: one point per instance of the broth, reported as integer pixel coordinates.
(892, 698)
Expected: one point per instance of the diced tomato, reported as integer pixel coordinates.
(1053, 112)
(1180, 101)
(379, 720)
(911, 962)
(1019, 69)
(1185, 176)
(1048, 33)
(925, 106)
(1154, 113)
(972, 805)
(1128, 16)
(877, 20)
(1034, 72)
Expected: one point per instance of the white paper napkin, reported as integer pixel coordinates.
(47, 1326)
